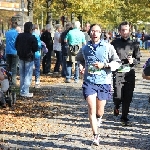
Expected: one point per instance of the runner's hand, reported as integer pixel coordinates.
(98, 65)
(81, 69)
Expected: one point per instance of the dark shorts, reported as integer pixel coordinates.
(103, 91)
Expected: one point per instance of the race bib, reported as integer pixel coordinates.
(93, 70)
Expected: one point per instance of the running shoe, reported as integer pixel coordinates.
(125, 122)
(96, 140)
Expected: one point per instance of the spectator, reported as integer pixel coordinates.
(57, 48)
(64, 47)
(143, 40)
(37, 57)
(47, 39)
(36, 30)
(85, 31)
(26, 45)
(11, 53)
(4, 85)
(75, 39)
(3, 80)
(138, 35)
(103, 36)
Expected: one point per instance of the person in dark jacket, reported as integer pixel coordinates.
(124, 78)
(26, 46)
(47, 39)
(64, 47)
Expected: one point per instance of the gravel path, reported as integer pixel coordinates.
(66, 126)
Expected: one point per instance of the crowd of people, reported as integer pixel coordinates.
(99, 56)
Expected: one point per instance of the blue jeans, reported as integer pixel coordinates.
(140, 42)
(69, 70)
(26, 70)
(58, 61)
(37, 69)
(12, 61)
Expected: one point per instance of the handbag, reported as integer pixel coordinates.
(146, 70)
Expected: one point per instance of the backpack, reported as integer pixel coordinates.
(74, 49)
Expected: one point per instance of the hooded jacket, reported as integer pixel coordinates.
(26, 43)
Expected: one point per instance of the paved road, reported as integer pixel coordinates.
(66, 127)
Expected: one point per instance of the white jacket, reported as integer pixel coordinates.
(57, 45)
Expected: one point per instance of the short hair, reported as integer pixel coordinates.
(68, 25)
(76, 24)
(35, 26)
(87, 24)
(58, 26)
(14, 24)
(28, 27)
(48, 27)
(43, 30)
(124, 23)
(92, 27)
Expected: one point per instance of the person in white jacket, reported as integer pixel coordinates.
(57, 48)
(4, 86)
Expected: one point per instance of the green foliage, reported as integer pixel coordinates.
(106, 12)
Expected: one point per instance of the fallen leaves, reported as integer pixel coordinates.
(29, 114)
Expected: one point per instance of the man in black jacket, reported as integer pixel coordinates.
(26, 45)
(124, 78)
(47, 39)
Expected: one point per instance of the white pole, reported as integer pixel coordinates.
(37, 21)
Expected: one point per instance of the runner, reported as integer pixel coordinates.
(100, 59)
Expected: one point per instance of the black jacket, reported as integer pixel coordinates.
(47, 39)
(123, 48)
(26, 45)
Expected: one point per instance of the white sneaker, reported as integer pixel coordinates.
(49, 73)
(56, 72)
(37, 86)
(99, 121)
(96, 140)
(27, 95)
(37, 82)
